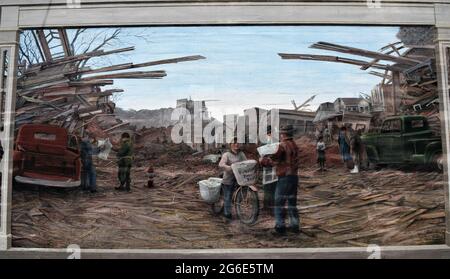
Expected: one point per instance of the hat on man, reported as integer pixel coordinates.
(287, 130)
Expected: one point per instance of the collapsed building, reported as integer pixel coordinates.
(408, 85)
(61, 90)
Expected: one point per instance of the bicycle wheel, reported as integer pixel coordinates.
(247, 205)
(217, 207)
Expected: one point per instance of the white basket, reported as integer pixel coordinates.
(210, 189)
(268, 149)
(245, 172)
(212, 158)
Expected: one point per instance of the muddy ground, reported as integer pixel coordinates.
(391, 206)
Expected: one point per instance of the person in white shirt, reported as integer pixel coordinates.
(321, 153)
(229, 180)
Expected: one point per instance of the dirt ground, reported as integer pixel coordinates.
(389, 207)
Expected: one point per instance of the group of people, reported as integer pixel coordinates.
(285, 161)
(124, 162)
(351, 148)
(277, 194)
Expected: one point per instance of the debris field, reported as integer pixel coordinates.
(386, 207)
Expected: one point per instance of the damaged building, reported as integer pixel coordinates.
(408, 81)
(61, 90)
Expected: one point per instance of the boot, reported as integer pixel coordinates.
(150, 183)
(120, 188)
(355, 169)
(127, 186)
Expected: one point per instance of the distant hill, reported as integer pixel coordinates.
(148, 118)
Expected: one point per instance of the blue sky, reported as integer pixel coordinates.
(242, 68)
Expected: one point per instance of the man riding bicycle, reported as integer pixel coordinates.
(229, 180)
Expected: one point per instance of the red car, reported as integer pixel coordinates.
(46, 155)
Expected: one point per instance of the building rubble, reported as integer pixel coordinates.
(62, 91)
(336, 209)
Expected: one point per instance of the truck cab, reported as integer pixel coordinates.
(46, 155)
(404, 139)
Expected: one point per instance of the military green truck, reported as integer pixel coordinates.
(404, 139)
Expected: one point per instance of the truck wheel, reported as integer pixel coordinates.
(437, 161)
(371, 165)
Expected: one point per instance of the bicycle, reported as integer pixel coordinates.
(245, 200)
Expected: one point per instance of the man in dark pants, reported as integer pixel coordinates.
(125, 158)
(286, 160)
(88, 173)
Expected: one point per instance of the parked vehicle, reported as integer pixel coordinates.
(404, 139)
(46, 155)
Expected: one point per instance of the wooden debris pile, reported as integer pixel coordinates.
(408, 73)
(61, 91)
(389, 207)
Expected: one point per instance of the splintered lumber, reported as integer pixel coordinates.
(116, 126)
(381, 75)
(91, 113)
(99, 82)
(359, 235)
(393, 49)
(43, 45)
(338, 59)
(60, 91)
(108, 92)
(365, 53)
(130, 75)
(127, 66)
(85, 56)
(170, 61)
(124, 66)
(63, 85)
(433, 215)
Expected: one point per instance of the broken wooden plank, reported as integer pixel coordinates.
(365, 53)
(116, 126)
(433, 215)
(329, 58)
(130, 75)
(371, 201)
(126, 66)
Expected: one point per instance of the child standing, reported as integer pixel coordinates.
(321, 153)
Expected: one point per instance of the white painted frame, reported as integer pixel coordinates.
(20, 14)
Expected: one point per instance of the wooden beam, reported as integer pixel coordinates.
(170, 61)
(65, 41)
(395, 89)
(127, 66)
(44, 45)
(84, 56)
(381, 75)
(116, 126)
(36, 41)
(365, 67)
(130, 75)
(338, 59)
(363, 52)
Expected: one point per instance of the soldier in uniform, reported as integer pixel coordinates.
(125, 158)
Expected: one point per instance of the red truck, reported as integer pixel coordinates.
(46, 155)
